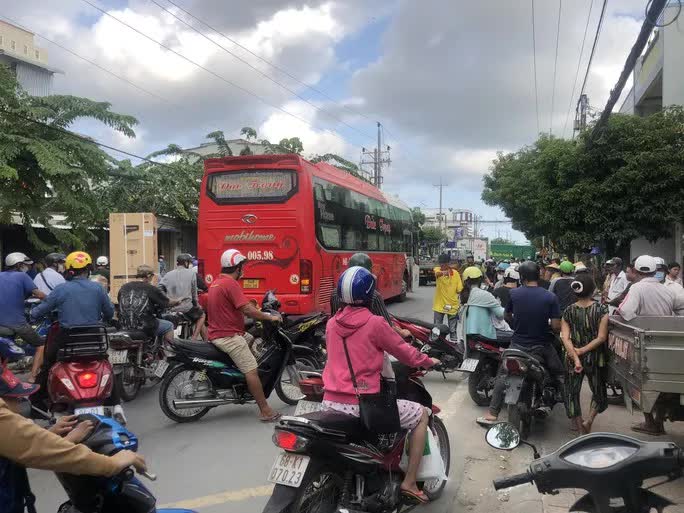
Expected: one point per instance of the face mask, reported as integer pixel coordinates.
(660, 275)
(60, 268)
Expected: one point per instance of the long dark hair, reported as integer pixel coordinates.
(469, 284)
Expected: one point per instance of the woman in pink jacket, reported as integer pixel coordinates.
(368, 337)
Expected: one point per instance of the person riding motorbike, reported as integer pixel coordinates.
(181, 284)
(534, 314)
(227, 307)
(500, 274)
(511, 281)
(377, 304)
(561, 286)
(78, 302)
(16, 287)
(140, 302)
(24, 444)
(52, 276)
(367, 338)
(102, 268)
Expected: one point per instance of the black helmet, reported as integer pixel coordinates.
(54, 258)
(361, 260)
(184, 258)
(529, 271)
(443, 258)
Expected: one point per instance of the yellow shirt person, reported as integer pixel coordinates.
(447, 289)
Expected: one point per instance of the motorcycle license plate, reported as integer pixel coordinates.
(161, 368)
(95, 410)
(117, 357)
(289, 469)
(469, 365)
(304, 407)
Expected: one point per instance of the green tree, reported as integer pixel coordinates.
(45, 169)
(500, 240)
(223, 148)
(292, 145)
(418, 217)
(626, 184)
(431, 235)
(249, 133)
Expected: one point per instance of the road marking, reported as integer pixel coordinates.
(222, 498)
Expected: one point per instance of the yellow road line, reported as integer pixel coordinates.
(222, 498)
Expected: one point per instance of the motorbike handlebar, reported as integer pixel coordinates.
(510, 481)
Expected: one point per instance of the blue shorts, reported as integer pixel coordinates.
(163, 327)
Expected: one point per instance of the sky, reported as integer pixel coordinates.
(452, 81)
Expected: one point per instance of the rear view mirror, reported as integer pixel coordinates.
(503, 436)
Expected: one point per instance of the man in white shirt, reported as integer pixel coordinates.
(673, 278)
(618, 283)
(47, 280)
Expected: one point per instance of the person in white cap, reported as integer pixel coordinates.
(649, 297)
(227, 307)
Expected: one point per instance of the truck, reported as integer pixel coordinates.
(647, 359)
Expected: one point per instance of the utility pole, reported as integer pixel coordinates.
(378, 157)
(581, 113)
(439, 217)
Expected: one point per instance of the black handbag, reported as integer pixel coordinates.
(379, 412)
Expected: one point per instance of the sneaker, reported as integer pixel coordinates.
(119, 415)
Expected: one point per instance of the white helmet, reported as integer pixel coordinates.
(646, 264)
(512, 272)
(660, 262)
(231, 258)
(17, 258)
(102, 260)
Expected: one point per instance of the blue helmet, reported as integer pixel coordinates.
(356, 286)
(503, 266)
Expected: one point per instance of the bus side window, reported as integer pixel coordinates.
(319, 192)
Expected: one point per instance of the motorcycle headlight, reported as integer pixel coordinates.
(601, 456)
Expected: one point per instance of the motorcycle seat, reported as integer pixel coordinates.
(418, 322)
(6, 331)
(134, 334)
(521, 354)
(205, 350)
(350, 426)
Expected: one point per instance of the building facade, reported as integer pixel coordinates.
(26, 60)
(658, 82)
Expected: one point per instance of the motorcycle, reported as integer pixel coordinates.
(482, 362)
(13, 349)
(610, 467)
(433, 340)
(81, 379)
(136, 357)
(330, 462)
(530, 392)
(123, 492)
(202, 377)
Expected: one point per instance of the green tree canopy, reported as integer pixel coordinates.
(292, 145)
(418, 217)
(431, 235)
(626, 184)
(47, 170)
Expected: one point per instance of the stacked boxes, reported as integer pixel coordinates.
(132, 242)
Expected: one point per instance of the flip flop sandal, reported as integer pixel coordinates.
(640, 429)
(420, 497)
(484, 422)
(272, 418)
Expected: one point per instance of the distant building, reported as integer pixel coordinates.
(659, 82)
(456, 223)
(26, 60)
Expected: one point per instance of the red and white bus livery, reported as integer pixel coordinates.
(298, 223)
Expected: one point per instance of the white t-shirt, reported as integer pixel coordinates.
(617, 285)
(48, 280)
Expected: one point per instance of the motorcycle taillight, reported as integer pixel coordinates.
(515, 366)
(289, 441)
(311, 387)
(86, 379)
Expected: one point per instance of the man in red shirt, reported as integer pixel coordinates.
(226, 308)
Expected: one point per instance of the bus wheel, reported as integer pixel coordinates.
(404, 288)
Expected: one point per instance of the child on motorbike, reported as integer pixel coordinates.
(584, 331)
(367, 336)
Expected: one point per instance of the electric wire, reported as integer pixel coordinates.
(594, 45)
(534, 57)
(555, 65)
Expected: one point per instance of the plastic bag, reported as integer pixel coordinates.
(431, 465)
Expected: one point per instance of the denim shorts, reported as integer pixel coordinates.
(163, 327)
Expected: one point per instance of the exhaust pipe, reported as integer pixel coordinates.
(182, 404)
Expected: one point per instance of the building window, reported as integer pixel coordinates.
(37, 54)
(13, 45)
(25, 50)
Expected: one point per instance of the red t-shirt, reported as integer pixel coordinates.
(223, 308)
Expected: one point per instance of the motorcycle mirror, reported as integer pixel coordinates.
(503, 436)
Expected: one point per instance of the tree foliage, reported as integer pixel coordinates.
(626, 184)
(292, 145)
(418, 217)
(431, 235)
(46, 170)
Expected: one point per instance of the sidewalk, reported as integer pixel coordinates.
(483, 464)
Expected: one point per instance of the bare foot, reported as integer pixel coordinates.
(586, 427)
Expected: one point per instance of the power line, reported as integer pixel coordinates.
(593, 46)
(579, 61)
(211, 72)
(534, 53)
(102, 68)
(265, 75)
(555, 64)
(270, 63)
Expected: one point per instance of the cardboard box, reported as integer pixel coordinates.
(132, 242)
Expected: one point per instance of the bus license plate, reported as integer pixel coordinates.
(289, 469)
(250, 284)
(469, 365)
(118, 357)
(304, 407)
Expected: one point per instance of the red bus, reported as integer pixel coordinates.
(298, 223)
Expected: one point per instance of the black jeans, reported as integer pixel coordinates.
(546, 354)
(49, 360)
(25, 331)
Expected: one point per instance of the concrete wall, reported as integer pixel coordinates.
(664, 248)
(20, 42)
(673, 65)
